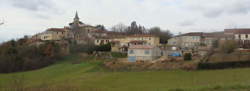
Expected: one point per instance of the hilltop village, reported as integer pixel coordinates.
(129, 47)
(143, 46)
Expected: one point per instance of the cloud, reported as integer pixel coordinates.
(33, 5)
(187, 23)
(211, 9)
(32, 16)
(240, 7)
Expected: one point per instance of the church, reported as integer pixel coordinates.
(76, 32)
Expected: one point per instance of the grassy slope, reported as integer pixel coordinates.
(83, 76)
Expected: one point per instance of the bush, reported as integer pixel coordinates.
(187, 56)
(20, 56)
(104, 48)
(82, 48)
(229, 46)
(118, 55)
(224, 65)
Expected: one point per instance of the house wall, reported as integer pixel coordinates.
(150, 40)
(144, 54)
(101, 41)
(155, 41)
(209, 41)
(242, 36)
(185, 41)
(53, 35)
(45, 37)
(191, 41)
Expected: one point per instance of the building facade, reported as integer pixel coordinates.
(143, 53)
(188, 40)
(121, 44)
(54, 34)
(242, 36)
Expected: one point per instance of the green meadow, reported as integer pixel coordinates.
(76, 74)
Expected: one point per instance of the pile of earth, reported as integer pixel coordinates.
(169, 64)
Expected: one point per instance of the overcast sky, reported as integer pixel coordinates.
(27, 17)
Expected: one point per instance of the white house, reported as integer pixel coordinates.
(188, 40)
(240, 35)
(143, 53)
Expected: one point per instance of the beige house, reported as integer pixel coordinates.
(122, 44)
(188, 40)
(242, 36)
(143, 53)
(102, 41)
(54, 34)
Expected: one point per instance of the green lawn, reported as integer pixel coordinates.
(88, 76)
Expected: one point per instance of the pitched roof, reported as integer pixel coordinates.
(56, 29)
(142, 35)
(137, 41)
(99, 31)
(193, 34)
(214, 34)
(141, 47)
(76, 16)
(238, 31)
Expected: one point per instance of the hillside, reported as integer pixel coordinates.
(89, 76)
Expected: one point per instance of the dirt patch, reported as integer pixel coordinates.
(151, 65)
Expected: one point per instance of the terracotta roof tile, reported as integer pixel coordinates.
(192, 34)
(56, 29)
(142, 35)
(141, 47)
(238, 31)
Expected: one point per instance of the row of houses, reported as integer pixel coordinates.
(123, 42)
(197, 39)
(196, 43)
(142, 46)
(81, 33)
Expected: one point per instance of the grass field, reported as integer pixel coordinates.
(89, 76)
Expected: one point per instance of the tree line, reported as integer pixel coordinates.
(18, 55)
(134, 28)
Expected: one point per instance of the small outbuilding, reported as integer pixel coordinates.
(143, 53)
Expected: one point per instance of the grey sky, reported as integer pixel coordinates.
(27, 17)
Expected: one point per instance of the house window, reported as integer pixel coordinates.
(246, 35)
(131, 52)
(149, 38)
(146, 52)
(239, 36)
(97, 41)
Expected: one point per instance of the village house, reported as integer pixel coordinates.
(188, 40)
(102, 41)
(143, 53)
(53, 34)
(121, 44)
(194, 40)
(242, 36)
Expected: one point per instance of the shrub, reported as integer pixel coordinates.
(20, 56)
(84, 48)
(104, 48)
(118, 55)
(187, 56)
(229, 46)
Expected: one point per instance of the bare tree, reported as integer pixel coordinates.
(135, 29)
(119, 28)
(163, 34)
